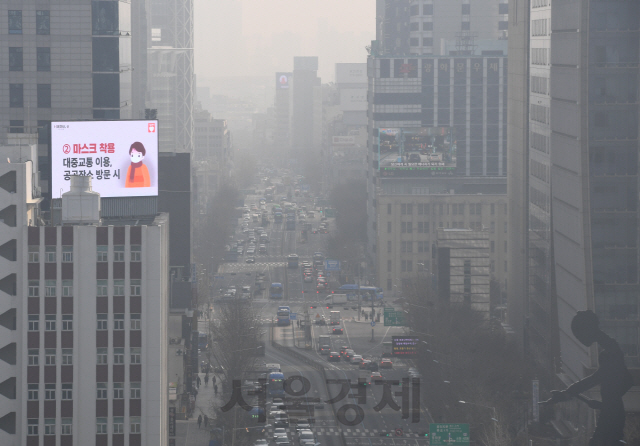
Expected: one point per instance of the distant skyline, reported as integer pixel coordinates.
(260, 37)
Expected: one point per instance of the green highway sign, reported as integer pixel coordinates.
(393, 318)
(449, 434)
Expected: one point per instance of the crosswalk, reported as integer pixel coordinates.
(351, 432)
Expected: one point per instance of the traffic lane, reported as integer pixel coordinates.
(324, 419)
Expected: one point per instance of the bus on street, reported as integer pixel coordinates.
(275, 384)
(292, 260)
(275, 291)
(283, 316)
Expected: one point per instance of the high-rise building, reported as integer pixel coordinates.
(171, 72)
(573, 138)
(306, 105)
(415, 27)
(71, 66)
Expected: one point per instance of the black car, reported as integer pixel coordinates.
(337, 330)
(334, 357)
(414, 158)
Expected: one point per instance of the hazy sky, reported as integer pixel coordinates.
(260, 37)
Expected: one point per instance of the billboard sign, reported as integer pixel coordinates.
(283, 80)
(332, 265)
(120, 156)
(351, 73)
(416, 151)
(441, 434)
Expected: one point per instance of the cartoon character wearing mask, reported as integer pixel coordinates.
(137, 173)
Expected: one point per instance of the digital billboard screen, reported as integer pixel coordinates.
(282, 81)
(416, 151)
(120, 156)
(404, 345)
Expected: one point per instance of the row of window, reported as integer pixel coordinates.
(102, 254)
(16, 95)
(50, 322)
(51, 285)
(43, 22)
(442, 209)
(16, 59)
(102, 356)
(33, 425)
(426, 26)
(67, 322)
(422, 266)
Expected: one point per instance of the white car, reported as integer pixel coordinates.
(261, 442)
(356, 359)
(279, 432)
(306, 437)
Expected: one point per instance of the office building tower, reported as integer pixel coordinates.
(306, 105)
(171, 72)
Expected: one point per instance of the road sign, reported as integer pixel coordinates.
(332, 265)
(399, 432)
(373, 323)
(293, 316)
(393, 318)
(444, 434)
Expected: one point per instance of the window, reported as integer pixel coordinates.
(136, 253)
(49, 391)
(118, 355)
(493, 246)
(102, 321)
(101, 393)
(388, 245)
(118, 255)
(101, 426)
(505, 266)
(389, 285)
(15, 58)
(118, 286)
(65, 426)
(505, 227)
(32, 392)
(102, 253)
(135, 355)
(406, 209)
(493, 227)
(118, 425)
(423, 266)
(427, 26)
(388, 266)
(135, 286)
(43, 26)
(50, 254)
(406, 227)
(67, 391)
(32, 426)
(34, 254)
(67, 288)
(44, 95)
(34, 324)
(49, 288)
(50, 356)
(135, 391)
(33, 354)
(67, 322)
(118, 391)
(493, 208)
(406, 266)
(427, 41)
(389, 208)
(50, 322)
(135, 321)
(102, 288)
(102, 356)
(388, 227)
(466, 9)
(67, 254)
(475, 209)
(67, 356)
(493, 266)
(118, 321)
(34, 288)
(406, 247)
(15, 22)
(16, 95)
(505, 246)
(134, 427)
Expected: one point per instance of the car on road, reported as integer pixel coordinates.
(334, 357)
(279, 432)
(306, 437)
(321, 321)
(356, 359)
(338, 330)
(308, 278)
(365, 364)
(250, 260)
(311, 214)
(375, 376)
(262, 249)
(303, 426)
(321, 286)
(386, 363)
(348, 353)
(261, 442)
(343, 349)
(251, 251)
